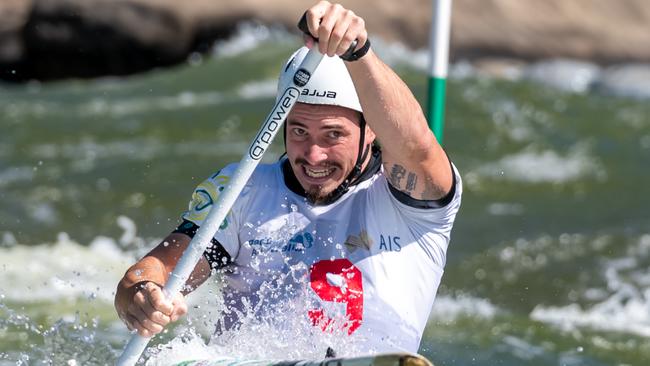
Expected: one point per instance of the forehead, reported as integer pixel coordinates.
(312, 115)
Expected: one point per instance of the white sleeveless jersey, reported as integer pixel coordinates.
(366, 263)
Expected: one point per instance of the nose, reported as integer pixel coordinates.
(315, 154)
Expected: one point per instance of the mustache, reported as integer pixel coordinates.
(325, 164)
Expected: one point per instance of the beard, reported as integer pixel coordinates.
(318, 194)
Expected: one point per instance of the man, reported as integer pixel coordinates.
(357, 232)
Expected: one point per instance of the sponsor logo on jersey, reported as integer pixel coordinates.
(298, 243)
(354, 242)
(390, 243)
(203, 197)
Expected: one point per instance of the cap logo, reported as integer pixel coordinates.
(301, 77)
(319, 93)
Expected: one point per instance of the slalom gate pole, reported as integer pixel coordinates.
(438, 65)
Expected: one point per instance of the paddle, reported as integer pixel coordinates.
(226, 199)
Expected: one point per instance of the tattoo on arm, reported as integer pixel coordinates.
(396, 174)
(411, 181)
(432, 190)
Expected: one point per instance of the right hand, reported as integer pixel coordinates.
(335, 27)
(147, 310)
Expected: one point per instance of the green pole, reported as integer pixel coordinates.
(436, 106)
(438, 65)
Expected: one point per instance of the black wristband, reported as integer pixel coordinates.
(350, 55)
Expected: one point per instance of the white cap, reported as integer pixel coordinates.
(330, 84)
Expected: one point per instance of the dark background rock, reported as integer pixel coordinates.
(51, 39)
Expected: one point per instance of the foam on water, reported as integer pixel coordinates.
(279, 333)
(624, 304)
(16, 174)
(568, 75)
(545, 166)
(65, 269)
(86, 152)
(448, 308)
(249, 36)
(143, 104)
(259, 89)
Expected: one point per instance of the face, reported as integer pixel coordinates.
(322, 146)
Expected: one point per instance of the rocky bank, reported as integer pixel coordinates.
(51, 39)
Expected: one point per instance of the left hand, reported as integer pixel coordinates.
(335, 27)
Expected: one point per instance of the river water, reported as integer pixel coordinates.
(549, 260)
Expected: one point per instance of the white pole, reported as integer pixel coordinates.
(438, 64)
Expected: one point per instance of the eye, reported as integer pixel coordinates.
(334, 134)
(298, 131)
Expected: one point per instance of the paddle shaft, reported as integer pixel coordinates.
(226, 199)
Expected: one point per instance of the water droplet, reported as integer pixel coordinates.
(165, 243)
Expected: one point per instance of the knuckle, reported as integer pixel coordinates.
(326, 27)
(149, 324)
(161, 318)
(138, 297)
(156, 328)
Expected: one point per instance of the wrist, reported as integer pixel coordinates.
(148, 269)
(351, 55)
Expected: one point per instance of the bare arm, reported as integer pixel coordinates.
(139, 300)
(413, 160)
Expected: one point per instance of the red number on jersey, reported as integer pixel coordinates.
(349, 291)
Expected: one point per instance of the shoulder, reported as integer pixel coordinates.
(207, 192)
(223, 177)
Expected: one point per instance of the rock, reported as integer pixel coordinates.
(98, 37)
(48, 39)
(14, 15)
(597, 30)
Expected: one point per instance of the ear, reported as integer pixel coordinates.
(370, 135)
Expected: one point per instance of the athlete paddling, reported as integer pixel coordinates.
(368, 226)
